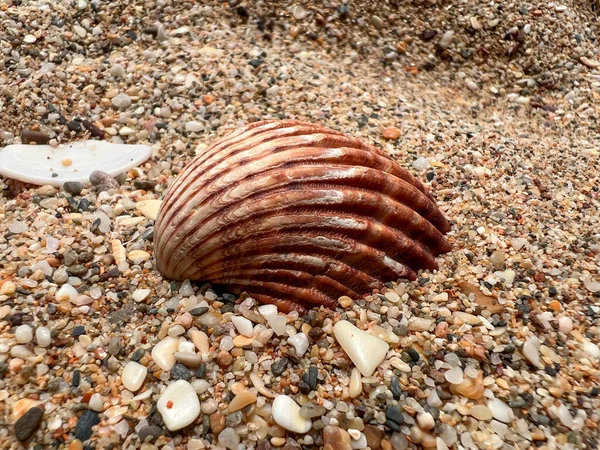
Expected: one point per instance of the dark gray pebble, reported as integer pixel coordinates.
(28, 423)
(180, 372)
(73, 187)
(394, 413)
(279, 366)
(150, 433)
(83, 429)
(311, 377)
(395, 387)
(199, 311)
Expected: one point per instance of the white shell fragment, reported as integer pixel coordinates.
(286, 413)
(44, 164)
(365, 350)
(179, 405)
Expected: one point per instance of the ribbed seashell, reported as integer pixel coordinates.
(297, 215)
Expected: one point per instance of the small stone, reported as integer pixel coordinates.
(454, 375)
(591, 63)
(425, 421)
(279, 366)
(501, 411)
(103, 181)
(133, 376)
(355, 387)
(481, 412)
(391, 133)
(24, 334)
(29, 39)
(224, 359)
(95, 402)
(286, 413)
(336, 438)
(194, 126)
(234, 419)
(300, 343)
(180, 372)
(121, 100)
(469, 387)
(377, 22)
(150, 433)
(393, 413)
(43, 336)
(138, 256)
(117, 71)
(34, 137)
(374, 436)
(163, 353)
(83, 429)
(229, 439)
(149, 208)
(217, 422)
(475, 24)
(28, 423)
(243, 325)
(268, 311)
(73, 187)
(365, 350)
(241, 400)
(8, 288)
(531, 351)
(209, 406)
(80, 31)
(179, 405)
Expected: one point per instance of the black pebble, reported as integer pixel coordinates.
(396, 388)
(279, 366)
(227, 307)
(311, 377)
(199, 311)
(304, 388)
(255, 63)
(83, 430)
(414, 355)
(137, 355)
(28, 423)
(73, 187)
(393, 413)
(153, 432)
(84, 205)
(76, 378)
(180, 372)
(74, 125)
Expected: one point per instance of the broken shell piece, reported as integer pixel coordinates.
(43, 164)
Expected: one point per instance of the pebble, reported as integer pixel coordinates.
(194, 126)
(43, 336)
(501, 411)
(310, 411)
(83, 429)
(29, 136)
(180, 372)
(481, 412)
(150, 433)
(103, 181)
(279, 366)
(300, 343)
(28, 423)
(95, 402)
(286, 414)
(133, 376)
(243, 325)
(117, 71)
(228, 438)
(121, 100)
(365, 350)
(149, 208)
(179, 405)
(268, 311)
(355, 387)
(336, 438)
(24, 334)
(531, 351)
(391, 133)
(217, 422)
(163, 353)
(241, 400)
(224, 359)
(73, 187)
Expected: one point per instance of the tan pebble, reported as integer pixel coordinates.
(470, 387)
(355, 387)
(242, 341)
(66, 162)
(15, 365)
(224, 359)
(428, 441)
(277, 441)
(22, 406)
(76, 445)
(8, 288)
(216, 422)
(200, 340)
(386, 445)
(481, 412)
(591, 63)
(391, 133)
(138, 256)
(538, 435)
(345, 301)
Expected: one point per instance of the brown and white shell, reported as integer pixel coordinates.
(297, 215)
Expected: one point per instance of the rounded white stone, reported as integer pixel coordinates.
(268, 311)
(95, 403)
(133, 375)
(243, 325)
(501, 411)
(286, 413)
(178, 405)
(300, 343)
(24, 334)
(43, 337)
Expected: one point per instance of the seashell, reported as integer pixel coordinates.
(297, 215)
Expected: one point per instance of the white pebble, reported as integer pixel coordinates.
(286, 413)
(179, 405)
(24, 334)
(163, 353)
(43, 337)
(501, 410)
(18, 227)
(243, 325)
(531, 351)
(300, 343)
(425, 421)
(365, 350)
(133, 376)
(194, 126)
(186, 288)
(117, 71)
(121, 100)
(29, 39)
(421, 163)
(95, 403)
(139, 294)
(454, 375)
(277, 323)
(66, 293)
(355, 387)
(268, 311)
(565, 324)
(591, 350)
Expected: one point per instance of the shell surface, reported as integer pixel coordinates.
(297, 215)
